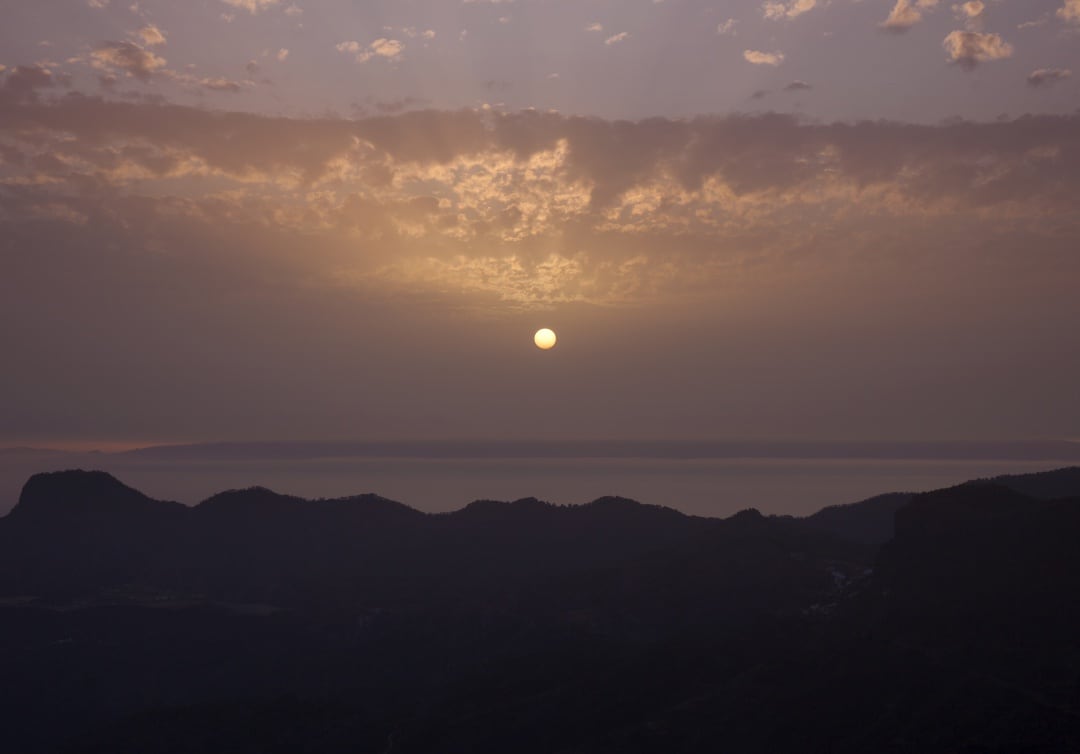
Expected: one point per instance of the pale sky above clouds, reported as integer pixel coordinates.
(911, 60)
(276, 220)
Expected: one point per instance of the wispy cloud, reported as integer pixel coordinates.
(252, 6)
(1041, 21)
(616, 38)
(411, 32)
(128, 57)
(1047, 76)
(219, 84)
(387, 49)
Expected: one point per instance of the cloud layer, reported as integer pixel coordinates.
(198, 271)
(424, 191)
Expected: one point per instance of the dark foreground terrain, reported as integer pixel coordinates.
(255, 622)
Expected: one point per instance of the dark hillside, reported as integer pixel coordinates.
(259, 622)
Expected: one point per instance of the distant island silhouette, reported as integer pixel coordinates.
(260, 622)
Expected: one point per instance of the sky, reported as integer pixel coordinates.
(813, 220)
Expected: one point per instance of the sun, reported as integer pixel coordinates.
(544, 339)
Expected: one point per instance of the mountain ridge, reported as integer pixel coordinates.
(873, 525)
(531, 627)
(80, 493)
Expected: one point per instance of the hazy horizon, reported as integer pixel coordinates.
(711, 479)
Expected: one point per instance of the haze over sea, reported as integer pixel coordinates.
(702, 478)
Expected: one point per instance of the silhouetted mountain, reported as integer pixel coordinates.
(1045, 485)
(74, 532)
(82, 496)
(869, 521)
(980, 592)
(259, 622)
(256, 545)
(969, 551)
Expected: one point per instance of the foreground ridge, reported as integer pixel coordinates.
(257, 622)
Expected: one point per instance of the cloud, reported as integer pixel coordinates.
(282, 54)
(776, 10)
(388, 49)
(412, 32)
(971, 14)
(797, 86)
(969, 48)
(1047, 76)
(1070, 12)
(905, 14)
(727, 28)
(763, 58)
(128, 57)
(616, 38)
(220, 84)
(24, 82)
(294, 10)
(150, 35)
(98, 4)
(970, 10)
(252, 6)
(594, 27)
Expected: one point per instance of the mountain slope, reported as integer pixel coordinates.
(871, 521)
